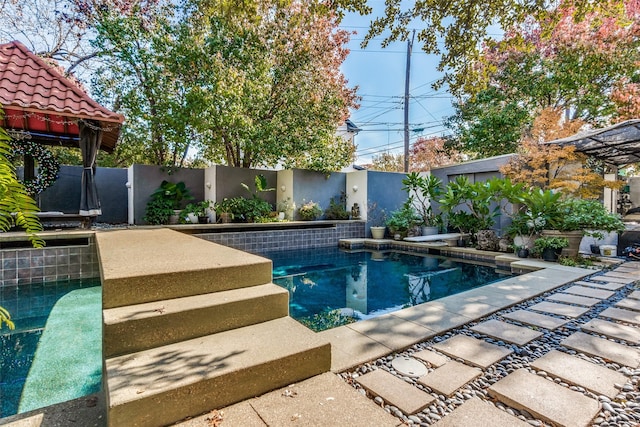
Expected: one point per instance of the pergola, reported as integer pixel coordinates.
(617, 145)
(39, 100)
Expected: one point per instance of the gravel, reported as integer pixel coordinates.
(623, 410)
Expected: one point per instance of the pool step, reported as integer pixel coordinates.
(166, 384)
(143, 326)
(146, 265)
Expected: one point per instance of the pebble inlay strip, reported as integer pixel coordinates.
(623, 410)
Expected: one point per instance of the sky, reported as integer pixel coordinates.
(379, 75)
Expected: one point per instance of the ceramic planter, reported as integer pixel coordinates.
(377, 232)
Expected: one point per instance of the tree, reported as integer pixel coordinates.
(428, 153)
(487, 125)
(549, 166)
(267, 88)
(584, 68)
(388, 162)
(251, 84)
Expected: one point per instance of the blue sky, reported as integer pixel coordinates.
(380, 76)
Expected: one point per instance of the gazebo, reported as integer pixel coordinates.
(51, 109)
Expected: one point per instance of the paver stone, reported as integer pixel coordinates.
(476, 413)
(474, 351)
(506, 331)
(603, 348)
(605, 278)
(629, 304)
(450, 377)
(595, 378)
(613, 330)
(396, 392)
(627, 316)
(545, 399)
(535, 319)
(431, 357)
(600, 285)
(573, 299)
(588, 292)
(560, 309)
(634, 295)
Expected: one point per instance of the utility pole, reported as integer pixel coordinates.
(406, 103)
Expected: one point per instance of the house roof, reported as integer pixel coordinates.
(618, 144)
(36, 97)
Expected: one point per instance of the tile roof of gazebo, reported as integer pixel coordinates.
(37, 97)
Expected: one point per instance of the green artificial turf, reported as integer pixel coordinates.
(68, 360)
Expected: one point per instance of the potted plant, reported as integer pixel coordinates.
(550, 247)
(285, 209)
(470, 207)
(337, 209)
(196, 212)
(422, 189)
(225, 208)
(310, 211)
(521, 251)
(377, 218)
(573, 218)
(402, 220)
(168, 197)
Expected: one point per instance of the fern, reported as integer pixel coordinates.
(16, 207)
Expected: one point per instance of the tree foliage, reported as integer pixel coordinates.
(250, 84)
(578, 62)
(433, 152)
(549, 166)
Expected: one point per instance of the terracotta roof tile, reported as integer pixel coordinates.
(29, 84)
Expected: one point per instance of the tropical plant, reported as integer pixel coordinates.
(164, 201)
(158, 211)
(471, 204)
(16, 206)
(580, 214)
(310, 211)
(422, 190)
(404, 219)
(176, 193)
(546, 242)
(337, 209)
(199, 209)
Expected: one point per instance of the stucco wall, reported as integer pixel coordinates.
(146, 179)
(318, 187)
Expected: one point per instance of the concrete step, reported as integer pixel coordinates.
(140, 327)
(146, 265)
(163, 385)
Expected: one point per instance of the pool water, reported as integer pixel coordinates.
(329, 287)
(30, 306)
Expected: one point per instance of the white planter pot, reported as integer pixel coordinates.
(429, 231)
(377, 232)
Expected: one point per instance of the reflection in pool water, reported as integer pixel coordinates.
(328, 287)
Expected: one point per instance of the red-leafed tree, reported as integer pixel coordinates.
(427, 153)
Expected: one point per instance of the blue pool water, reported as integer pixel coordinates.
(328, 287)
(30, 306)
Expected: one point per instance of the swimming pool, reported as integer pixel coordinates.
(54, 354)
(329, 287)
